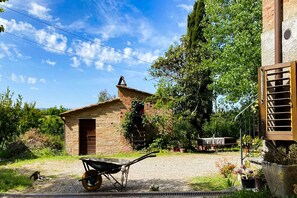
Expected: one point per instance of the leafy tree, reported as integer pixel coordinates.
(54, 110)
(14, 119)
(105, 96)
(234, 43)
(221, 124)
(30, 117)
(1, 10)
(51, 123)
(183, 79)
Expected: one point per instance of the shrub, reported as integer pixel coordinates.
(34, 144)
(17, 148)
(249, 193)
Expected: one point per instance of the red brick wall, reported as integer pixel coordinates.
(289, 10)
(268, 14)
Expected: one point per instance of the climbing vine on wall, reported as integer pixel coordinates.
(133, 118)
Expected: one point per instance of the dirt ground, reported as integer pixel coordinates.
(170, 173)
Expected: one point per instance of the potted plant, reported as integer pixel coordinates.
(260, 181)
(280, 169)
(247, 142)
(246, 176)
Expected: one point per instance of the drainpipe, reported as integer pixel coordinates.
(278, 18)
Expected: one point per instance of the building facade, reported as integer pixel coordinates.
(288, 31)
(96, 129)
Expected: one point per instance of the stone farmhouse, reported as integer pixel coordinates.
(96, 129)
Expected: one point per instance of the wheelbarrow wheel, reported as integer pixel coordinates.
(91, 181)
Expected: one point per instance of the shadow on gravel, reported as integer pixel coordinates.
(65, 184)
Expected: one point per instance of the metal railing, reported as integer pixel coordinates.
(248, 125)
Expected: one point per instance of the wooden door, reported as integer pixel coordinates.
(87, 136)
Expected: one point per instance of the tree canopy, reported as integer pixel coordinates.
(183, 79)
(218, 56)
(105, 96)
(15, 118)
(233, 35)
(1, 10)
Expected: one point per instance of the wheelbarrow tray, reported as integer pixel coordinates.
(105, 165)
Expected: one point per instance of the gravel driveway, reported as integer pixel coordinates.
(170, 173)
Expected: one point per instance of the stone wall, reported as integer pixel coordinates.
(289, 24)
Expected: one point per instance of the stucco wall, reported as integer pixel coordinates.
(289, 46)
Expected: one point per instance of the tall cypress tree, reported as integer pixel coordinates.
(197, 77)
(195, 24)
(183, 79)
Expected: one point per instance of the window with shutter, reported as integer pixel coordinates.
(277, 101)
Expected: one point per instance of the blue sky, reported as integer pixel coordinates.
(64, 52)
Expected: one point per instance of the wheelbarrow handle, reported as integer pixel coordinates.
(142, 158)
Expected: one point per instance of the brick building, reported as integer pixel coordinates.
(288, 31)
(277, 76)
(96, 129)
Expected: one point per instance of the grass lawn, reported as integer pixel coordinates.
(11, 180)
(210, 183)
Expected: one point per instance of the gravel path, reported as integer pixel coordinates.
(170, 173)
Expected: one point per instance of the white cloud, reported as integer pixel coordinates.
(31, 80)
(14, 77)
(34, 88)
(137, 57)
(87, 50)
(110, 55)
(40, 11)
(75, 62)
(146, 31)
(42, 80)
(53, 42)
(13, 26)
(119, 23)
(11, 52)
(17, 78)
(0, 77)
(127, 52)
(185, 7)
(93, 53)
(5, 51)
(23, 79)
(49, 62)
(109, 68)
(99, 65)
